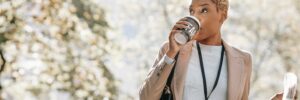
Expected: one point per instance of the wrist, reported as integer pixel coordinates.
(171, 54)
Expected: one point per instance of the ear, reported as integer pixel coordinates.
(223, 16)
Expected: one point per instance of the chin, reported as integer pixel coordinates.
(201, 36)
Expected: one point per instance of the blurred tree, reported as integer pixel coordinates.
(54, 50)
(272, 39)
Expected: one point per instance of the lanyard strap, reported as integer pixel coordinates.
(203, 72)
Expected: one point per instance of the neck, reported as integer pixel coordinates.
(213, 40)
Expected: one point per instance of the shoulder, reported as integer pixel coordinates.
(242, 53)
(245, 55)
(237, 51)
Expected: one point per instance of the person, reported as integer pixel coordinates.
(207, 66)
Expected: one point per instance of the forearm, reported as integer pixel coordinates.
(156, 80)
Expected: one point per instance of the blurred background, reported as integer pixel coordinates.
(103, 49)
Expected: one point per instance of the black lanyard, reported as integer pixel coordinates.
(203, 72)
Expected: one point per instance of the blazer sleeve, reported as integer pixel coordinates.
(248, 77)
(156, 79)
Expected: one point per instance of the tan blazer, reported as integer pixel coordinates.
(238, 65)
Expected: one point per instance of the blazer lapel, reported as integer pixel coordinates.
(235, 72)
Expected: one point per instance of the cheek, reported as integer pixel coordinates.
(210, 24)
(206, 25)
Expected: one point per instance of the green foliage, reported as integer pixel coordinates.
(3, 39)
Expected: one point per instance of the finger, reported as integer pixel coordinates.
(172, 34)
(183, 22)
(179, 26)
(183, 19)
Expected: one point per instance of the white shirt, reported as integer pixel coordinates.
(193, 88)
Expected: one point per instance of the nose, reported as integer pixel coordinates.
(199, 19)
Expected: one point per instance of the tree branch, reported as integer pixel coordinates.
(2, 66)
(3, 62)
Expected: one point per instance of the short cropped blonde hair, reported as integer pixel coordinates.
(221, 4)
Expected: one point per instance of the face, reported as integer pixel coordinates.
(210, 17)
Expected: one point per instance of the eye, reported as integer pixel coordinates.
(204, 10)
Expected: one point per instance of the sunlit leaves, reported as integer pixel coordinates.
(52, 49)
